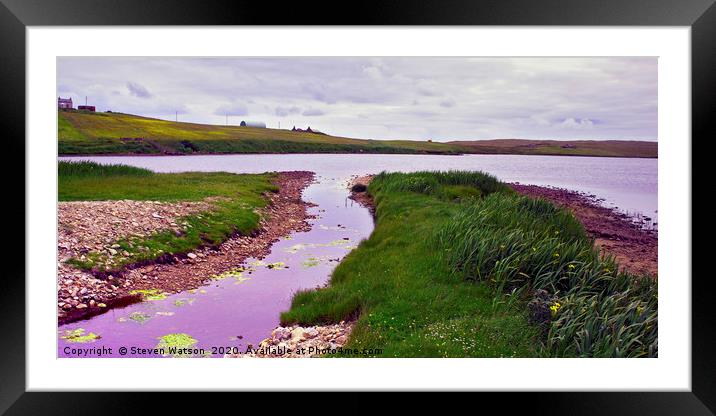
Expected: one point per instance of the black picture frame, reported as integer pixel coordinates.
(16, 15)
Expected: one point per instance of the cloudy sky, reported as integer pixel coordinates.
(383, 98)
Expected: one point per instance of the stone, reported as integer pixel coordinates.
(81, 306)
(191, 256)
(309, 333)
(281, 333)
(297, 333)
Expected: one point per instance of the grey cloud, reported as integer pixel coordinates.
(313, 112)
(138, 90)
(284, 111)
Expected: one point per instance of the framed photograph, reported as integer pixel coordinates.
(491, 197)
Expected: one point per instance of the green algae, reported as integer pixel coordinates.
(184, 301)
(229, 273)
(78, 335)
(277, 265)
(140, 317)
(172, 344)
(296, 248)
(311, 262)
(150, 294)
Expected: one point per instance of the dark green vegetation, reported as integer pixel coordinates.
(452, 264)
(233, 199)
(81, 132)
(606, 148)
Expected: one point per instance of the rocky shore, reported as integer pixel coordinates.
(91, 226)
(634, 247)
(300, 342)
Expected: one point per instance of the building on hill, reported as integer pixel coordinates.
(86, 107)
(64, 103)
(258, 124)
(308, 130)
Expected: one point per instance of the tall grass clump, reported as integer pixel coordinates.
(92, 169)
(446, 185)
(527, 245)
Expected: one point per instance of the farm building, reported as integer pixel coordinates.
(86, 107)
(64, 103)
(308, 130)
(258, 124)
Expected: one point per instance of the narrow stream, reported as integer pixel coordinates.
(243, 306)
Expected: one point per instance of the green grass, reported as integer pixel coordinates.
(116, 133)
(234, 201)
(452, 264)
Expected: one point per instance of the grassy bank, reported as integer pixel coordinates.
(234, 199)
(460, 266)
(82, 132)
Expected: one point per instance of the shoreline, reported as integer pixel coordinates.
(88, 296)
(634, 247)
(336, 153)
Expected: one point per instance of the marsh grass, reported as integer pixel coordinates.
(235, 199)
(452, 263)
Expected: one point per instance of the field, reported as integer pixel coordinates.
(605, 148)
(115, 133)
(81, 132)
(460, 266)
(234, 199)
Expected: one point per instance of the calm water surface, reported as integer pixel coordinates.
(244, 307)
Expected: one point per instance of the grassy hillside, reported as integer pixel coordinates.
(608, 148)
(460, 266)
(82, 132)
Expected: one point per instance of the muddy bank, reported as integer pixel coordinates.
(635, 248)
(300, 342)
(358, 186)
(81, 295)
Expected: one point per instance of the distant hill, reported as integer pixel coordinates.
(610, 148)
(90, 133)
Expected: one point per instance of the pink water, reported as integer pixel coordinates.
(235, 312)
(238, 310)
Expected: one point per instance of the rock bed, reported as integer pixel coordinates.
(301, 342)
